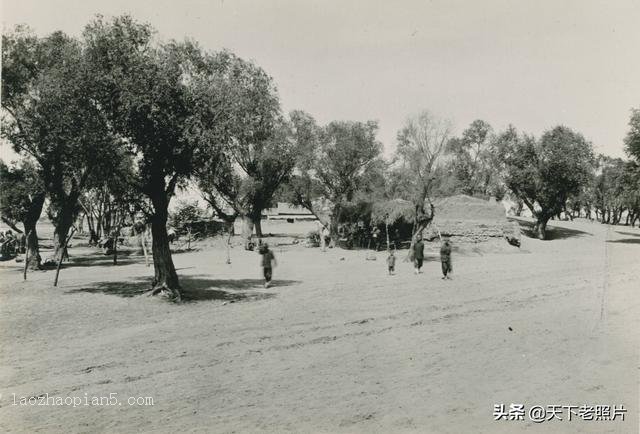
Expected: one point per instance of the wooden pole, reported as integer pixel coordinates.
(115, 246)
(229, 229)
(116, 232)
(386, 227)
(26, 255)
(64, 249)
(144, 248)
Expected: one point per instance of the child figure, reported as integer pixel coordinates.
(268, 262)
(391, 262)
(445, 259)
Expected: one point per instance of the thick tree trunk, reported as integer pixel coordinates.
(334, 224)
(31, 219)
(247, 231)
(541, 228)
(64, 221)
(257, 223)
(229, 235)
(165, 277)
(386, 229)
(33, 249)
(422, 221)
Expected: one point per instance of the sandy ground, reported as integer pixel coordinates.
(335, 346)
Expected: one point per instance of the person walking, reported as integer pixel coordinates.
(418, 255)
(445, 259)
(268, 262)
(391, 263)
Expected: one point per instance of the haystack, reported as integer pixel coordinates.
(393, 211)
(471, 220)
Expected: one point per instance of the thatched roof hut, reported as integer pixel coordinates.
(393, 211)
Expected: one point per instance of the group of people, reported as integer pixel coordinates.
(11, 245)
(417, 254)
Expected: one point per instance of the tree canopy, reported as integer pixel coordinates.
(53, 117)
(545, 172)
(632, 139)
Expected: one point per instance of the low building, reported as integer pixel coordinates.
(289, 212)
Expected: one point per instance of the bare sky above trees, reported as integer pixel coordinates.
(535, 64)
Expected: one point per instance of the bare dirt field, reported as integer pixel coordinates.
(335, 345)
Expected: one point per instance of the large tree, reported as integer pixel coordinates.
(421, 143)
(336, 161)
(52, 116)
(475, 161)
(173, 105)
(546, 172)
(245, 179)
(22, 197)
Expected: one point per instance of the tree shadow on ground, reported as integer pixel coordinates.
(553, 232)
(179, 250)
(194, 288)
(99, 260)
(283, 235)
(628, 233)
(626, 241)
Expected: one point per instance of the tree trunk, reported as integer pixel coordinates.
(422, 221)
(64, 221)
(247, 231)
(33, 249)
(257, 223)
(541, 228)
(386, 228)
(65, 243)
(229, 235)
(165, 279)
(334, 224)
(31, 219)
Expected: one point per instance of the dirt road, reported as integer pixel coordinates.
(335, 346)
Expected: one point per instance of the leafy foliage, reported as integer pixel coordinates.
(475, 162)
(186, 212)
(632, 140)
(53, 117)
(545, 173)
(21, 193)
(336, 161)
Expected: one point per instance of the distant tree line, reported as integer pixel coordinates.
(109, 126)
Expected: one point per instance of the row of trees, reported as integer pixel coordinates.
(110, 125)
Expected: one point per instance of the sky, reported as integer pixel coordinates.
(531, 63)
